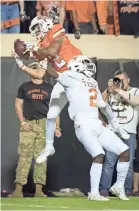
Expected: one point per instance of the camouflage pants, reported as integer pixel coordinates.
(30, 145)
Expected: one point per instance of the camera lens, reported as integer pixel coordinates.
(116, 81)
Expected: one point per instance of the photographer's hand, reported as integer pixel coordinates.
(108, 91)
(132, 100)
(110, 86)
(118, 91)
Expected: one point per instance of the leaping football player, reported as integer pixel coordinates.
(54, 45)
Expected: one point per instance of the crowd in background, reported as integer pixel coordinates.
(78, 17)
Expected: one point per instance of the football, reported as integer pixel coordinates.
(20, 47)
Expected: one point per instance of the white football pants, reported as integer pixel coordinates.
(94, 137)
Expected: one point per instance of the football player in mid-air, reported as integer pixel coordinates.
(54, 45)
(84, 100)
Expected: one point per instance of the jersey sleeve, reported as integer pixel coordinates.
(20, 92)
(54, 34)
(101, 103)
(57, 32)
(64, 79)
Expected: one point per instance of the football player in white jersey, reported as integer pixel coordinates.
(84, 100)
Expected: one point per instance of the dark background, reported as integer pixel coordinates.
(70, 166)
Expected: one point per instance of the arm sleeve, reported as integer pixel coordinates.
(64, 79)
(20, 92)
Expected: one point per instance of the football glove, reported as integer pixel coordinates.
(30, 47)
(18, 60)
(43, 64)
(115, 127)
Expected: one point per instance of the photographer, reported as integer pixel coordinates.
(124, 101)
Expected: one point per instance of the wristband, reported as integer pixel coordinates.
(58, 128)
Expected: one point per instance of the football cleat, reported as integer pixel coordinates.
(45, 154)
(97, 197)
(119, 192)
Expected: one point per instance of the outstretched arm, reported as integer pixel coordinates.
(105, 108)
(132, 100)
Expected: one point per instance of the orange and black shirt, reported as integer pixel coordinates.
(36, 99)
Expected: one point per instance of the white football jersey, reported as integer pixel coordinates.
(82, 93)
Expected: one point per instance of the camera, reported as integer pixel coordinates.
(118, 83)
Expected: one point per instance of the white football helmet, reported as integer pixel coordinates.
(40, 26)
(82, 64)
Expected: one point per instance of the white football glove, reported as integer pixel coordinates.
(43, 64)
(116, 128)
(18, 60)
(30, 47)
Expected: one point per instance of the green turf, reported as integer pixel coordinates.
(67, 204)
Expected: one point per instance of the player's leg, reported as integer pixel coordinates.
(89, 140)
(111, 142)
(57, 103)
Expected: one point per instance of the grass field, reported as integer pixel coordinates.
(68, 204)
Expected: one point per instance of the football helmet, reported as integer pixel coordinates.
(40, 26)
(82, 64)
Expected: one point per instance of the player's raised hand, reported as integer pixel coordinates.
(18, 60)
(43, 64)
(110, 85)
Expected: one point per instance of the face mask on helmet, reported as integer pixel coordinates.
(90, 68)
(36, 32)
(83, 65)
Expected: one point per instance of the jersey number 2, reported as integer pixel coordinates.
(59, 62)
(93, 97)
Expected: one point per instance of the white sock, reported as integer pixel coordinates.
(95, 175)
(50, 132)
(122, 169)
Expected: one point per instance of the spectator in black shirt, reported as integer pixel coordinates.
(31, 104)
